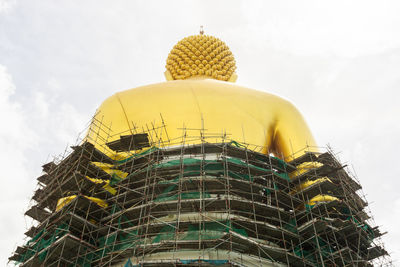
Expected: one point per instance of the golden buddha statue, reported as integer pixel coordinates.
(200, 94)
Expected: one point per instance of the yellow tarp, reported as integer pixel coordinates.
(309, 183)
(62, 202)
(109, 188)
(106, 187)
(304, 167)
(94, 180)
(321, 198)
(109, 168)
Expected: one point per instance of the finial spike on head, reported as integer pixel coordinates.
(201, 30)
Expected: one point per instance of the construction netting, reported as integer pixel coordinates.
(41, 241)
(198, 231)
(192, 166)
(170, 194)
(189, 261)
(117, 241)
(119, 228)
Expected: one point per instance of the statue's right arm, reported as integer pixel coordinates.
(292, 136)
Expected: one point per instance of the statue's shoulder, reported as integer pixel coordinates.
(140, 89)
(260, 93)
(208, 87)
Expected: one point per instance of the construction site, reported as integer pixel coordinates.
(199, 200)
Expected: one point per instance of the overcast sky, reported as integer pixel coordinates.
(337, 61)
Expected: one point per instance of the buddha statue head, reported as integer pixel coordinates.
(201, 56)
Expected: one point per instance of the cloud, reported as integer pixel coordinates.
(15, 139)
(44, 125)
(6, 5)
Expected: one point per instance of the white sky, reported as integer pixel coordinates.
(337, 61)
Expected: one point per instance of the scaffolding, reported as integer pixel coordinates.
(212, 202)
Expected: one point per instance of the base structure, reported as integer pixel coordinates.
(208, 204)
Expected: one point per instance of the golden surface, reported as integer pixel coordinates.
(253, 117)
(200, 55)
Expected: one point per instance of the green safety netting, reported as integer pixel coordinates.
(137, 155)
(36, 237)
(187, 195)
(291, 226)
(211, 166)
(203, 231)
(298, 251)
(211, 173)
(119, 240)
(129, 264)
(212, 262)
(122, 221)
(169, 194)
(192, 167)
(123, 239)
(41, 241)
(268, 191)
(192, 261)
(115, 179)
(281, 163)
(325, 249)
(85, 261)
(166, 233)
(215, 174)
(365, 227)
